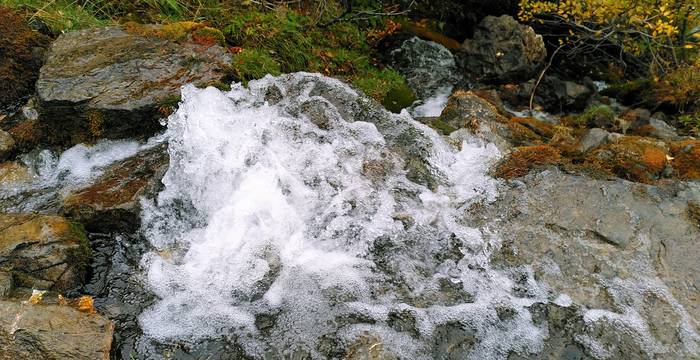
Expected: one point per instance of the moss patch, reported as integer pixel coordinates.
(526, 158)
(686, 159)
(632, 158)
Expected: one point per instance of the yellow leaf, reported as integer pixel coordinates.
(86, 304)
(36, 297)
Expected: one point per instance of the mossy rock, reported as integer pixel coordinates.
(633, 158)
(398, 98)
(527, 158)
(686, 159)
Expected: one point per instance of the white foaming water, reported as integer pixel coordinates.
(280, 224)
(434, 105)
(52, 174)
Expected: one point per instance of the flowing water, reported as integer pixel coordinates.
(298, 217)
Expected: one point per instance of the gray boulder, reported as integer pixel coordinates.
(622, 255)
(112, 82)
(503, 50)
(427, 66)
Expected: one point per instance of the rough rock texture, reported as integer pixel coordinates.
(626, 253)
(112, 82)
(52, 332)
(502, 50)
(43, 252)
(112, 201)
(21, 55)
(427, 66)
(592, 139)
(7, 145)
(552, 94)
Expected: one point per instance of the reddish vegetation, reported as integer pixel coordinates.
(686, 159)
(632, 158)
(526, 158)
(21, 51)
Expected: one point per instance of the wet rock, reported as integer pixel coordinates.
(592, 139)
(112, 82)
(453, 340)
(7, 145)
(22, 52)
(112, 201)
(24, 127)
(402, 321)
(14, 173)
(43, 252)
(426, 65)
(52, 332)
(552, 94)
(625, 252)
(467, 110)
(563, 324)
(502, 50)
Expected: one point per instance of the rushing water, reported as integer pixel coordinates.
(288, 222)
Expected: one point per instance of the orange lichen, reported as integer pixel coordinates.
(526, 158)
(541, 128)
(86, 304)
(633, 158)
(686, 159)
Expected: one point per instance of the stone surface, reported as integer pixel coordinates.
(22, 53)
(502, 50)
(635, 119)
(7, 145)
(112, 82)
(592, 139)
(112, 200)
(43, 252)
(427, 66)
(625, 253)
(52, 332)
(552, 94)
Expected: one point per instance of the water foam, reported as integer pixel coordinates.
(295, 210)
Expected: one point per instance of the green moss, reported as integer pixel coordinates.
(387, 87)
(253, 64)
(442, 126)
(594, 112)
(209, 36)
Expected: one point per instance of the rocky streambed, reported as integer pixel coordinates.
(148, 215)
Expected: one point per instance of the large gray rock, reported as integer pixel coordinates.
(42, 252)
(52, 332)
(626, 253)
(427, 66)
(112, 82)
(503, 50)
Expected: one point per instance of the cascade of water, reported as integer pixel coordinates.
(296, 209)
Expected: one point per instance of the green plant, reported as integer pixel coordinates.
(252, 64)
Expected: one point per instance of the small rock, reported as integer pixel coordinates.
(503, 50)
(552, 94)
(113, 200)
(43, 252)
(658, 129)
(114, 82)
(52, 332)
(634, 119)
(7, 145)
(593, 138)
(14, 173)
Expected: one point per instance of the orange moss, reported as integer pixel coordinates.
(198, 33)
(686, 159)
(541, 128)
(20, 60)
(26, 133)
(631, 157)
(526, 158)
(521, 135)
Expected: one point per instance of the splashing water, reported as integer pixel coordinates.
(297, 211)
